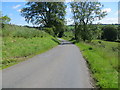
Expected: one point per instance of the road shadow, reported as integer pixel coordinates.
(66, 43)
(56, 41)
(62, 42)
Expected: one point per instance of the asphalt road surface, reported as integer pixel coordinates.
(60, 67)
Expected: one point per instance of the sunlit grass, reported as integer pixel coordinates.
(102, 57)
(20, 43)
(19, 31)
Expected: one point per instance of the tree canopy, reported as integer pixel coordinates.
(47, 14)
(109, 33)
(84, 14)
(4, 19)
(44, 13)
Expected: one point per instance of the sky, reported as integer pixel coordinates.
(12, 10)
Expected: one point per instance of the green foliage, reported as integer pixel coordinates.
(69, 28)
(95, 32)
(84, 14)
(109, 33)
(118, 35)
(4, 19)
(102, 57)
(68, 35)
(60, 28)
(47, 14)
(43, 12)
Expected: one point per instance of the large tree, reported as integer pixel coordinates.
(84, 14)
(47, 14)
(4, 19)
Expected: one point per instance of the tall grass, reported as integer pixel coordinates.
(20, 43)
(102, 57)
(19, 31)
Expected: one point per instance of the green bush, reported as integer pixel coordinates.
(109, 33)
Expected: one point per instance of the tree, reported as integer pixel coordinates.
(109, 33)
(45, 13)
(4, 19)
(60, 28)
(84, 14)
(118, 31)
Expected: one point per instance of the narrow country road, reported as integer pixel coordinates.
(60, 67)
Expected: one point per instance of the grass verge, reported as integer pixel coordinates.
(102, 57)
(20, 43)
(15, 50)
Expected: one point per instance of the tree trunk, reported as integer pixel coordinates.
(76, 35)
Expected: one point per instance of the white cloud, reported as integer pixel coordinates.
(109, 21)
(17, 6)
(19, 10)
(97, 5)
(106, 10)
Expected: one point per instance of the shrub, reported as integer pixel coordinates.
(109, 33)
